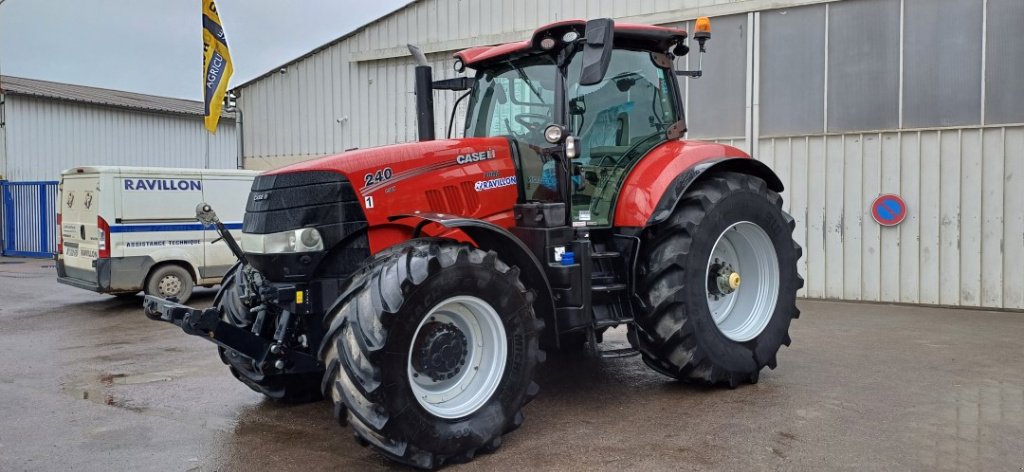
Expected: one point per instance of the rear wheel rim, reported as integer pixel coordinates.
(743, 281)
(469, 375)
(170, 285)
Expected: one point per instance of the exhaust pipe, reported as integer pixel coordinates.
(424, 95)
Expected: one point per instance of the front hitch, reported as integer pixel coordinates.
(267, 354)
(207, 323)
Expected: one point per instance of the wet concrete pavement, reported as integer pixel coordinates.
(88, 383)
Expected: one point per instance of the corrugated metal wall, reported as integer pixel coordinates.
(962, 241)
(46, 136)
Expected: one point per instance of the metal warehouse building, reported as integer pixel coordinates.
(845, 99)
(46, 127)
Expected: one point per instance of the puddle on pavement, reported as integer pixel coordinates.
(143, 378)
(113, 389)
(99, 388)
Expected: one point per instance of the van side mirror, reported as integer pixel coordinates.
(597, 51)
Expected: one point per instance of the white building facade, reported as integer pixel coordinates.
(845, 99)
(46, 127)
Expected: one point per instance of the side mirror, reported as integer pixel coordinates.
(597, 52)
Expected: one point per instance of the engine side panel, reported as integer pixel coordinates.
(650, 178)
(471, 177)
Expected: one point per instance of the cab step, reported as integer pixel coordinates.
(619, 353)
(609, 353)
(611, 323)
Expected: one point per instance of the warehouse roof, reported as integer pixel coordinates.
(99, 96)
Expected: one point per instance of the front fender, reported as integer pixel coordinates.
(491, 237)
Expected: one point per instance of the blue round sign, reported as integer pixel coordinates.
(889, 210)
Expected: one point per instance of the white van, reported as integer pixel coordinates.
(126, 229)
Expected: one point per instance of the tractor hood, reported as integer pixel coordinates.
(409, 159)
(473, 177)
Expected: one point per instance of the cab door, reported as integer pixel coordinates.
(617, 121)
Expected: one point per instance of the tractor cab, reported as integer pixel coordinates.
(565, 118)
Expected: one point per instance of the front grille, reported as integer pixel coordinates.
(290, 201)
(322, 200)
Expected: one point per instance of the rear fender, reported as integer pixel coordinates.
(491, 237)
(658, 180)
(674, 193)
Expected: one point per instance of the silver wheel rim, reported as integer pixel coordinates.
(742, 310)
(170, 285)
(486, 350)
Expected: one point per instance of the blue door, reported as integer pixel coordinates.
(29, 218)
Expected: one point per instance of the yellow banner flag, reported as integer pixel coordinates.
(217, 67)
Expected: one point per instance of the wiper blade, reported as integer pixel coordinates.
(522, 75)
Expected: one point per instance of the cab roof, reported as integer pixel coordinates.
(630, 35)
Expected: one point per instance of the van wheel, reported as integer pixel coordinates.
(170, 281)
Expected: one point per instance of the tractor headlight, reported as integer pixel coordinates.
(297, 240)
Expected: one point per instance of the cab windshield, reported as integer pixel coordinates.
(517, 99)
(617, 121)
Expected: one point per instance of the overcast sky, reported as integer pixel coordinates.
(155, 46)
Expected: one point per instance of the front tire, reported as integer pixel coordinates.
(431, 351)
(702, 322)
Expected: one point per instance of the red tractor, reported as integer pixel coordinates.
(414, 285)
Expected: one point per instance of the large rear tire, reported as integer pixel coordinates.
(431, 351)
(718, 280)
(284, 388)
